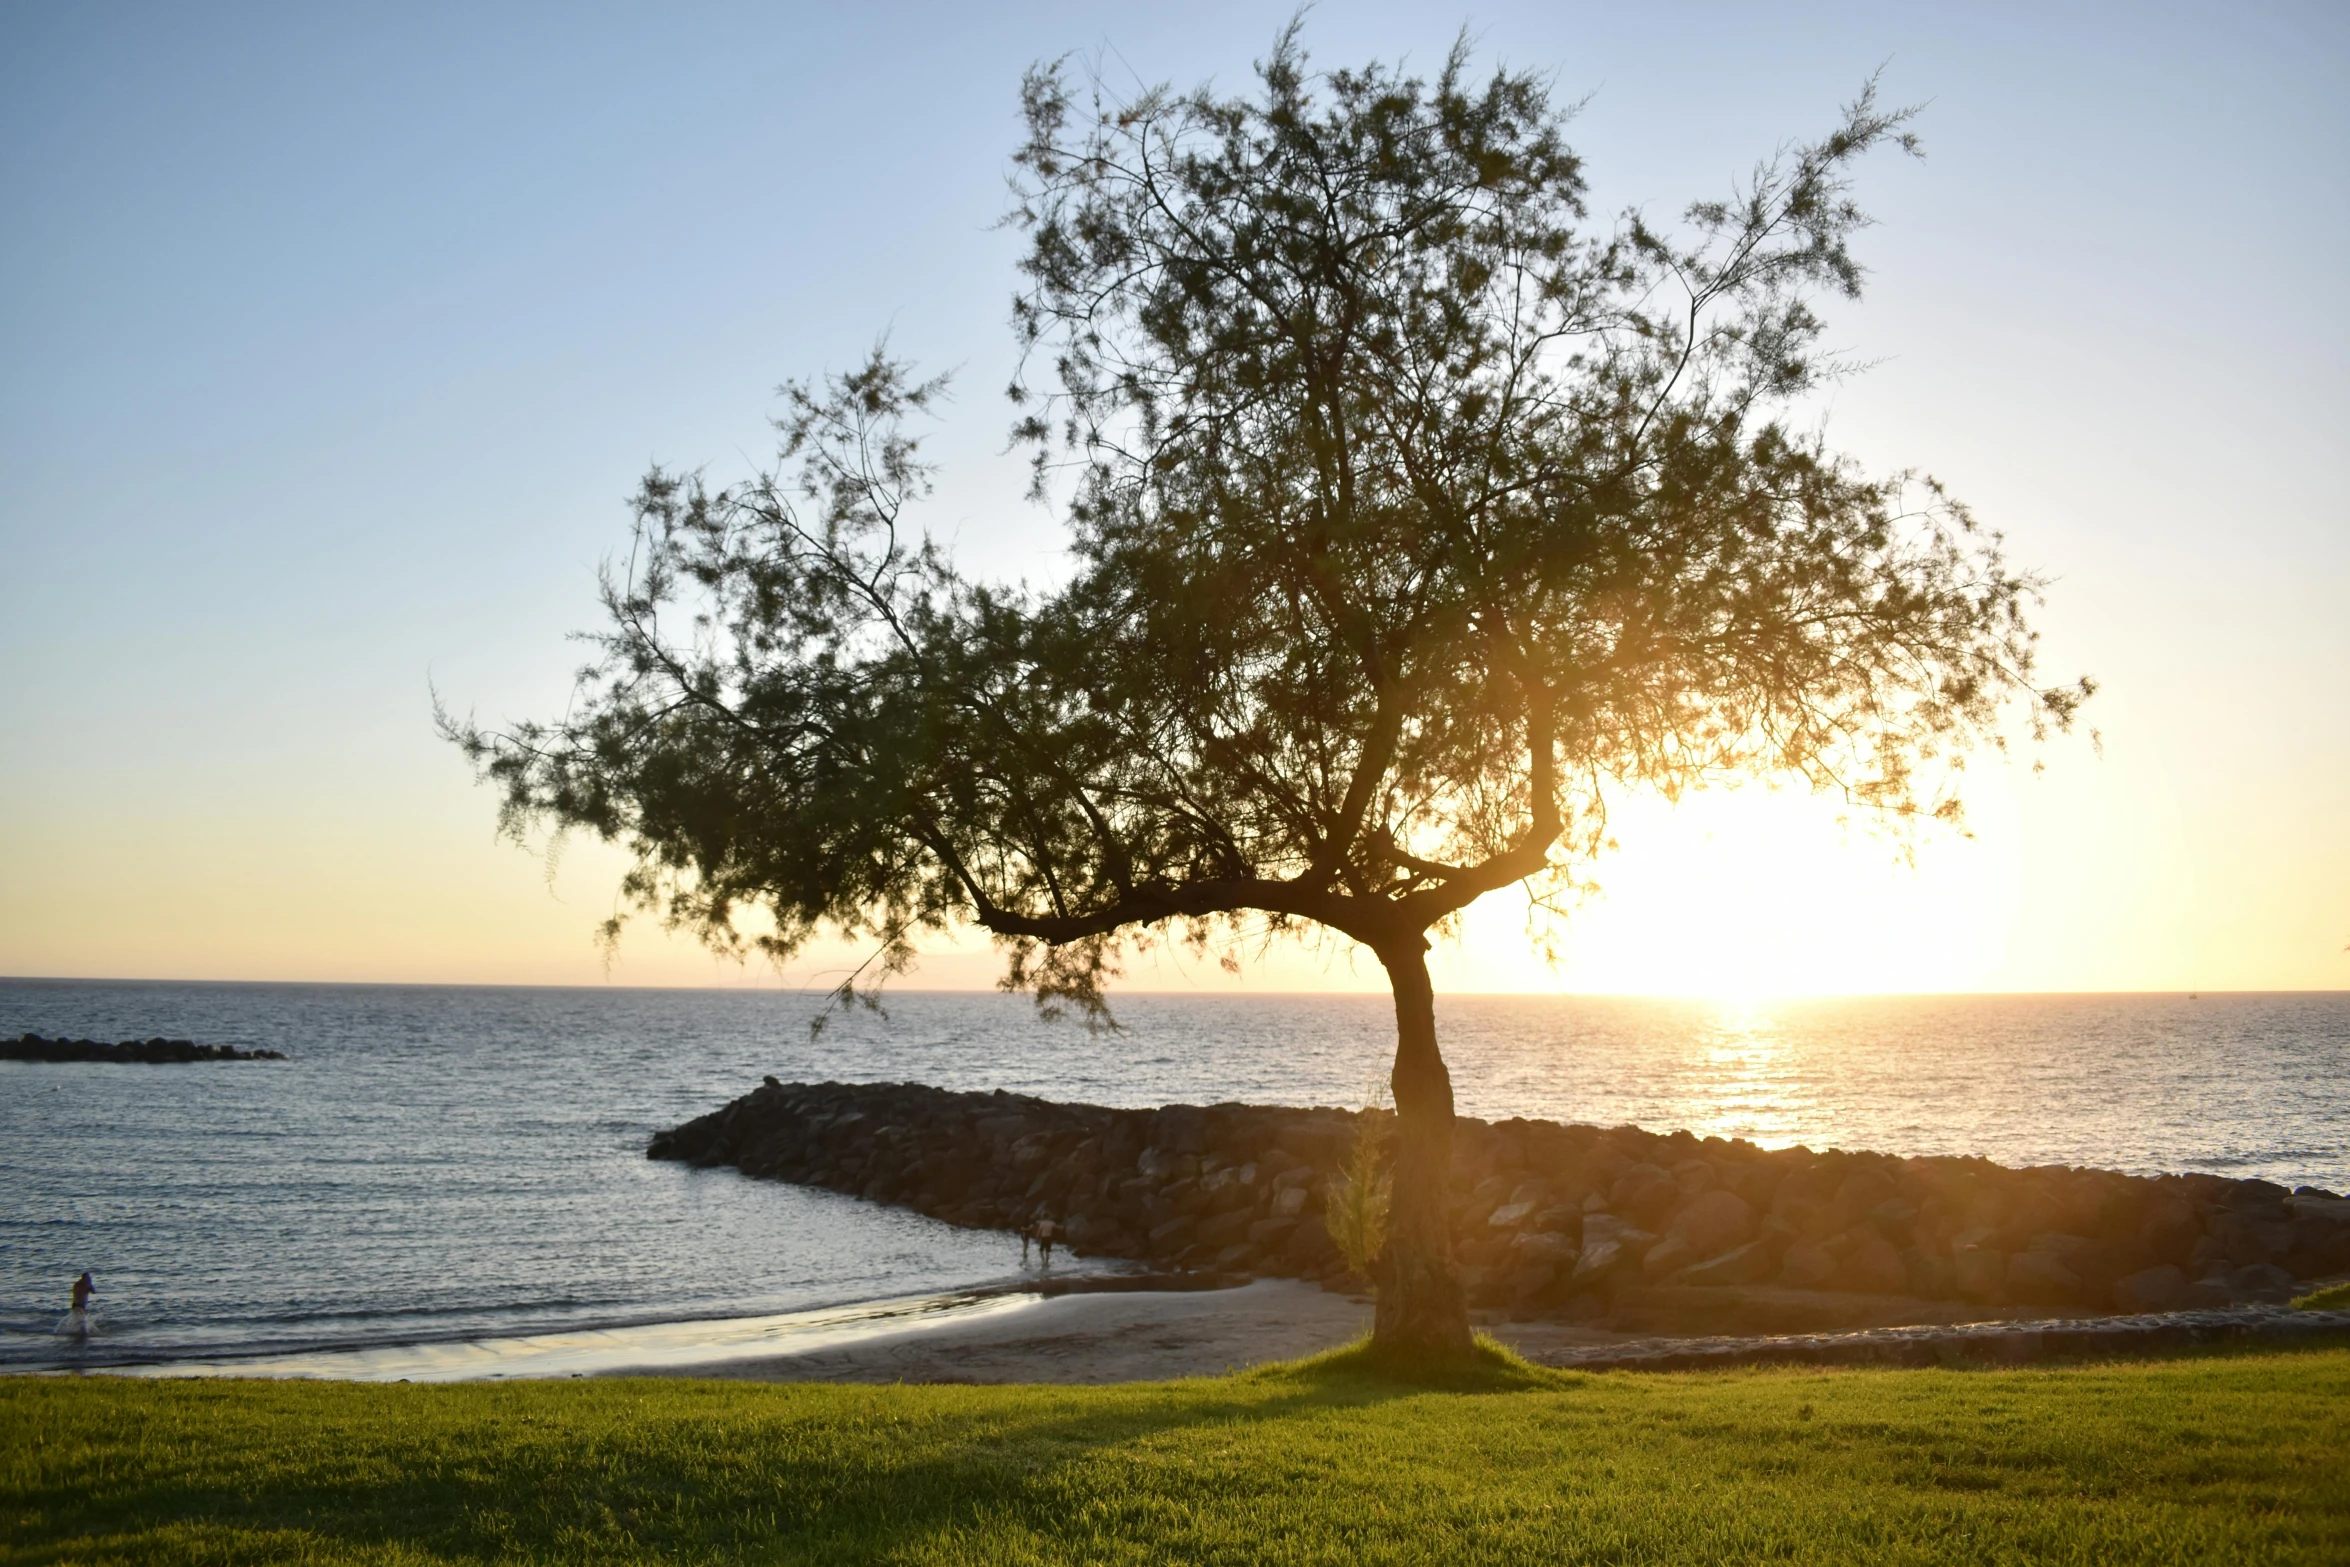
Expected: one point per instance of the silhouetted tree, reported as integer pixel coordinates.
(1411, 518)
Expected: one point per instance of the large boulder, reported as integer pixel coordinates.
(2150, 1289)
(1645, 1194)
(1609, 1242)
(1520, 1285)
(2321, 1236)
(2320, 1206)
(1980, 1272)
(1311, 1250)
(1174, 1235)
(2042, 1278)
(1669, 1255)
(1807, 1265)
(1601, 1228)
(1870, 1265)
(1757, 1181)
(1540, 1247)
(1597, 1261)
(1805, 1200)
(1529, 1194)
(1860, 1191)
(2264, 1282)
(1270, 1234)
(1224, 1229)
(1715, 1222)
(1752, 1263)
(1696, 1177)
(1487, 1195)
(2170, 1229)
(2254, 1235)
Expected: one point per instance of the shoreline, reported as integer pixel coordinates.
(673, 1347)
(670, 1345)
(1108, 1336)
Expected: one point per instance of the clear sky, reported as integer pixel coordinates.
(331, 340)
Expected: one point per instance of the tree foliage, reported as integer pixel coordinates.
(1413, 516)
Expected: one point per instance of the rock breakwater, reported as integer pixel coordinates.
(32, 1047)
(1974, 1343)
(1580, 1221)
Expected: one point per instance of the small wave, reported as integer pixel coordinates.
(542, 1351)
(163, 1345)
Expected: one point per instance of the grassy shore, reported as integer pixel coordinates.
(2244, 1458)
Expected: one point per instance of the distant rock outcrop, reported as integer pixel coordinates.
(1619, 1224)
(32, 1047)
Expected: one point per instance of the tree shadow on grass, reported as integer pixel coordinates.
(704, 1471)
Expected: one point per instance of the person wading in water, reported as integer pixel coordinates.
(77, 1321)
(1042, 1232)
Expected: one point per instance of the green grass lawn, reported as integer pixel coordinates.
(2242, 1458)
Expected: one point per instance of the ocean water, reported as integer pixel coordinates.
(444, 1165)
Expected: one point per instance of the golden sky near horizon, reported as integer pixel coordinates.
(333, 349)
(1746, 893)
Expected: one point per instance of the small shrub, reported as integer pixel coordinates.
(1356, 1213)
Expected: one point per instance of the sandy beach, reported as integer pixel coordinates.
(1155, 1336)
(1099, 1330)
(1138, 1336)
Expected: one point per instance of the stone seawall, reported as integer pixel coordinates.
(150, 1052)
(1550, 1219)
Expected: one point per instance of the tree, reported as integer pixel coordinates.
(1412, 518)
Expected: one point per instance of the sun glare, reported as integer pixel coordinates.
(1745, 896)
(1744, 1021)
(1739, 899)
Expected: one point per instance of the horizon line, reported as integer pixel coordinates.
(812, 993)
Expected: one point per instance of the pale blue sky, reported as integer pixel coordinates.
(330, 342)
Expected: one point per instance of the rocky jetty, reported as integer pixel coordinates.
(1976, 1343)
(32, 1047)
(1578, 1221)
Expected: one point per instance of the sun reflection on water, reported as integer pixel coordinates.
(1752, 1082)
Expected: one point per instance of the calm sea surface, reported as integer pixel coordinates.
(459, 1163)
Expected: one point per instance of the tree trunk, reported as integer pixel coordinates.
(1422, 1313)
